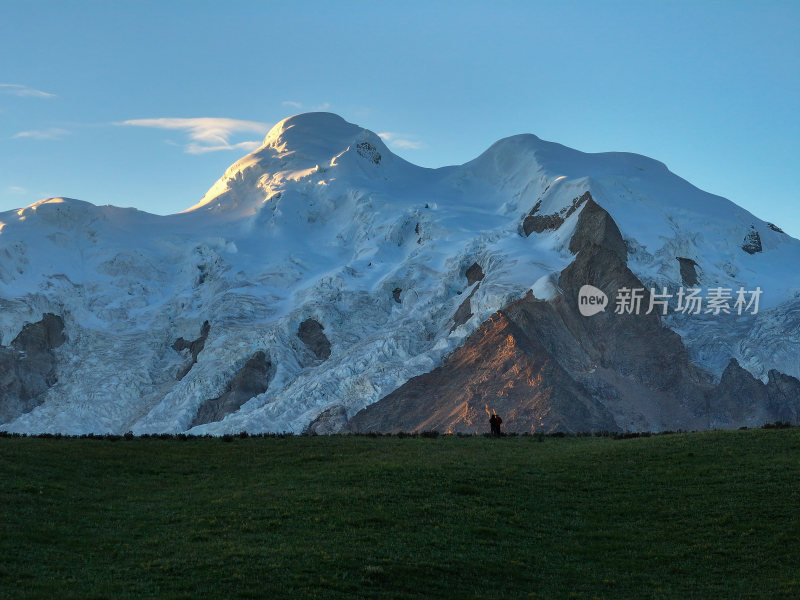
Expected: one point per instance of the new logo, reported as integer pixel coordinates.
(591, 300)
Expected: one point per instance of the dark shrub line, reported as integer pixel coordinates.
(112, 437)
(229, 437)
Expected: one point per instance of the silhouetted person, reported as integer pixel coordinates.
(494, 423)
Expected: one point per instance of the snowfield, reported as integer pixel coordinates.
(324, 222)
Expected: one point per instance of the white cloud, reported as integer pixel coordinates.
(407, 144)
(17, 190)
(299, 106)
(23, 91)
(53, 133)
(207, 134)
(400, 140)
(195, 148)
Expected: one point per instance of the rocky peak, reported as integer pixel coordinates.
(597, 228)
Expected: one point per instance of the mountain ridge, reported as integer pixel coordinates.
(373, 249)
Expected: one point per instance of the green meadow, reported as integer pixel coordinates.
(702, 515)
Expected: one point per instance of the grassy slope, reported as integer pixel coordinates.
(700, 515)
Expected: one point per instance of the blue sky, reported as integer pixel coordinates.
(146, 103)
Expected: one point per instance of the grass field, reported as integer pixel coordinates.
(708, 515)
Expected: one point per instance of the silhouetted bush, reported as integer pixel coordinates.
(628, 435)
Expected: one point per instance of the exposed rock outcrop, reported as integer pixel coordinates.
(536, 223)
(596, 228)
(688, 271)
(474, 274)
(752, 242)
(464, 311)
(331, 420)
(368, 151)
(311, 334)
(250, 381)
(396, 295)
(194, 347)
(28, 366)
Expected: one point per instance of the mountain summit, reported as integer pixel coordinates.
(317, 135)
(324, 284)
(297, 148)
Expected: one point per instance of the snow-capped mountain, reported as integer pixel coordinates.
(322, 273)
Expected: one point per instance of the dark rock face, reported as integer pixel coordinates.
(194, 347)
(536, 223)
(741, 399)
(369, 152)
(464, 311)
(636, 347)
(396, 295)
(752, 242)
(28, 366)
(40, 336)
(776, 228)
(310, 333)
(331, 420)
(250, 381)
(737, 384)
(784, 395)
(688, 270)
(474, 274)
(596, 228)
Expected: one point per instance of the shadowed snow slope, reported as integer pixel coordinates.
(323, 222)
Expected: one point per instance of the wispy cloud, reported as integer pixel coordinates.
(207, 134)
(401, 140)
(17, 89)
(53, 133)
(16, 190)
(300, 106)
